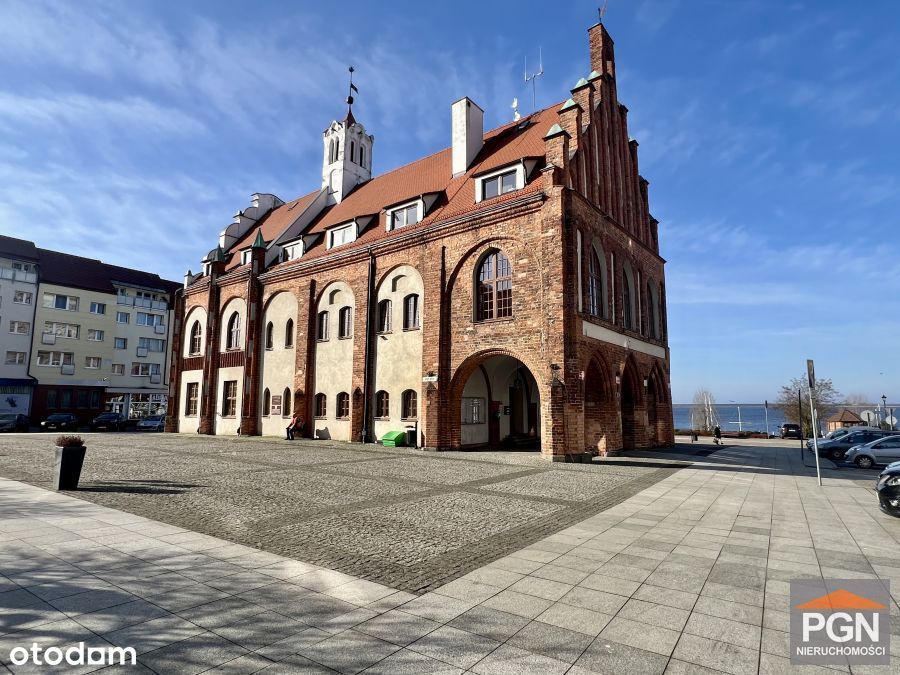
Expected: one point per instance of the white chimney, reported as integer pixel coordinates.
(468, 133)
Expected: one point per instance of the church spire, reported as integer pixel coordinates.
(347, 153)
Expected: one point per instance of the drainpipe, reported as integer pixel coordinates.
(367, 370)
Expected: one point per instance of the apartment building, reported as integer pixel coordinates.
(95, 336)
(18, 290)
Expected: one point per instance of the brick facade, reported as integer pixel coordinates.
(602, 377)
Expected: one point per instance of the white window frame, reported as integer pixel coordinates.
(14, 358)
(71, 302)
(404, 208)
(148, 319)
(95, 335)
(54, 359)
(23, 297)
(98, 308)
(118, 369)
(116, 343)
(65, 331)
(151, 344)
(480, 180)
(245, 256)
(347, 227)
(95, 360)
(15, 327)
(474, 410)
(127, 316)
(292, 251)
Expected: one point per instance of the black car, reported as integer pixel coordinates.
(108, 421)
(60, 422)
(888, 489)
(836, 448)
(790, 431)
(14, 422)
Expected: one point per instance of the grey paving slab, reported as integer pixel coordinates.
(490, 623)
(194, 655)
(508, 660)
(455, 646)
(608, 657)
(349, 652)
(553, 641)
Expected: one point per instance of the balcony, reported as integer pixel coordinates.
(155, 379)
(18, 275)
(67, 369)
(146, 303)
(159, 330)
(141, 351)
(48, 338)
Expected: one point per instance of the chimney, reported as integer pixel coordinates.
(468, 133)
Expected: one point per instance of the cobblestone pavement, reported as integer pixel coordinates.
(690, 575)
(405, 518)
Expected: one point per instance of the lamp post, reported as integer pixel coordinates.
(739, 423)
(883, 408)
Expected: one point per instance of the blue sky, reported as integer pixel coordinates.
(769, 132)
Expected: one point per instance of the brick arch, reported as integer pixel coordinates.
(659, 409)
(602, 427)
(270, 298)
(630, 399)
(328, 287)
(461, 376)
(476, 251)
(384, 277)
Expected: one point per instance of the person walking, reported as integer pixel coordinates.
(296, 426)
(717, 432)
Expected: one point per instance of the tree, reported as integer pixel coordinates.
(703, 410)
(825, 399)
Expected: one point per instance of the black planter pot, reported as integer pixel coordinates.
(67, 467)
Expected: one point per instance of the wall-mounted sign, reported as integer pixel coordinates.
(430, 378)
(275, 409)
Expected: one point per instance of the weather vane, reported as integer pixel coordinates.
(602, 10)
(352, 89)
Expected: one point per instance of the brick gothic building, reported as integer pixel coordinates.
(508, 289)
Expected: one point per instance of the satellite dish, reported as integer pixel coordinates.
(868, 416)
(891, 420)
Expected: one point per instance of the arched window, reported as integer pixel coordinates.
(289, 333)
(384, 316)
(321, 409)
(322, 326)
(267, 403)
(411, 312)
(629, 298)
(345, 322)
(270, 335)
(352, 151)
(382, 405)
(343, 406)
(410, 405)
(598, 301)
(286, 403)
(196, 336)
(362, 155)
(233, 340)
(494, 296)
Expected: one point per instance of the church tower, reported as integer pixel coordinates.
(347, 154)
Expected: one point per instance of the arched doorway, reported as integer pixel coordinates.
(601, 415)
(629, 399)
(495, 402)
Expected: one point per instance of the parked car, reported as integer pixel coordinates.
(14, 422)
(888, 489)
(840, 433)
(837, 448)
(108, 421)
(880, 451)
(60, 422)
(152, 423)
(790, 431)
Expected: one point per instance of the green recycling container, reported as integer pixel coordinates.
(394, 439)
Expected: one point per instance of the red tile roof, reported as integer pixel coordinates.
(272, 224)
(504, 145)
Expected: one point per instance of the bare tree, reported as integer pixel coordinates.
(703, 410)
(797, 411)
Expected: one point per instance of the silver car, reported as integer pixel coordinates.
(880, 451)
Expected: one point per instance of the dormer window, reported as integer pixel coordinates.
(292, 251)
(499, 185)
(245, 256)
(341, 235)
(406, 214)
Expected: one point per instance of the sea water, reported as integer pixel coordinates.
(751, 415)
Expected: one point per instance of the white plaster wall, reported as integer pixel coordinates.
(189, 425)
(195, 314)
(278, 363)
(398, 354)
(234, 305)
(226, 426)
(334, 362)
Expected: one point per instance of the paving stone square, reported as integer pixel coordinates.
(404, 518)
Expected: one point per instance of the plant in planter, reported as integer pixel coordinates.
(67, 465)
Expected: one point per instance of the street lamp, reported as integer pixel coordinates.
(739, 423)
(883, 408)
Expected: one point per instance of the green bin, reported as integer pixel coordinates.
(394, 439)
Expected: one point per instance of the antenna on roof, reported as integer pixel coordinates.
(515, 107)
(533, 78)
